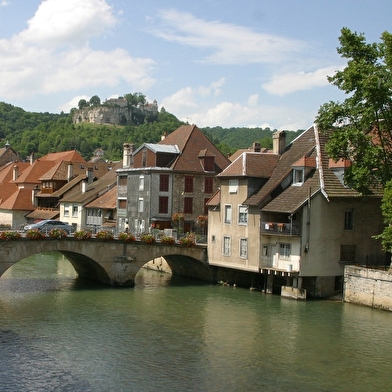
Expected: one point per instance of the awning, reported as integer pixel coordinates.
(43, 214)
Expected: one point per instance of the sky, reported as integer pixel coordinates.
(249, 63)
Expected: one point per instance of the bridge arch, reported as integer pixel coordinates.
(110, 262)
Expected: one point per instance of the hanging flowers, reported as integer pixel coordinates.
(178, 217)
(202, 220)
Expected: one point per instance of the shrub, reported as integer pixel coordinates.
(10, 235)
(147, 238)
(35, 234)
(82, 234)
(189, 240)
(105, 235)
(126, 237)
(58, 233)
(167, 240)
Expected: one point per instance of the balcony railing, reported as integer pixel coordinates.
(280, 228)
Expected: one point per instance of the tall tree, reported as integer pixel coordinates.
(362, 123)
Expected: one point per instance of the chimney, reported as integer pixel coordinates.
(31, 157)
(7, 145)
(15, 173)
(70, 171)
(84, 186)
(127, 154)
(34, 195)
(279, 142)
(256, 147)
(163, 137)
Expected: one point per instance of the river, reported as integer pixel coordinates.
(58, 333)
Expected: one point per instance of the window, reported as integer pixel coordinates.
(285, 250)
(228, 213)
(233, 186)
(122, 204)
(144, 157)
(122, 180)
(298, 176)
(208, 185)
(349, 220)
(74, 211)
(66, 209)
(141, 183)
(226, 245)
(243, 215)
(243, 248)
(164, 183)
(141, 204)
(209, 163)
(188, 205)
(163, 204)
(188, 184)
(347, 253)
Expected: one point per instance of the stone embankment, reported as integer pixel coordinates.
(368, 287)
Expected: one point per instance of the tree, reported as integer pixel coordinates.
(95, 100)
(362, 123)
(82, 104)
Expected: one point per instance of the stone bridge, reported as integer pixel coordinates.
(112, 262)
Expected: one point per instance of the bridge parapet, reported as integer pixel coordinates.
(112, 262)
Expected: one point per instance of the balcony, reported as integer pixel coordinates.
(279, 228)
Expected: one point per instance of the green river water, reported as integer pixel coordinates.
(58, 333)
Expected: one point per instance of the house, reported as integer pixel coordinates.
(233, 226)
(74, 204)
(31, 191)
(102, 212)
(176, 176)
(309, 224)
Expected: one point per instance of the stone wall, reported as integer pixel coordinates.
(368, 287)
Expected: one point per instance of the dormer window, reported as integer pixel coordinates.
(233, 186)
(298, 176)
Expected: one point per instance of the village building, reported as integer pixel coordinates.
(174, 177)
(301, 226)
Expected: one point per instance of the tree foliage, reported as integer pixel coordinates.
(362, 123)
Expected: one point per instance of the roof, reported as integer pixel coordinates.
(93, 190)
(193, 144)
(159, 148)
(71, 155)
(214, 200)
(43, 214)
(251, 164)
(107, 201)
(19, 200)
(308, 151)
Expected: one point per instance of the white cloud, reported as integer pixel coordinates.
(4, 3)
(52, 54)
(188, 97)
(290, 82)
(229, 43)
(189, 107)
(68, 22)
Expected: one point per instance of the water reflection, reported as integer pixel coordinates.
(171, 334)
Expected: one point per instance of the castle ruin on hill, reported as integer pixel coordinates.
(116, 111)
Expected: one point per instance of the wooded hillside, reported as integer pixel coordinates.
(42, 133)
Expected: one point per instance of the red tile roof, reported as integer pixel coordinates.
(192, 142)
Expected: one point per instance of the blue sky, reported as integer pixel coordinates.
(211, 63)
